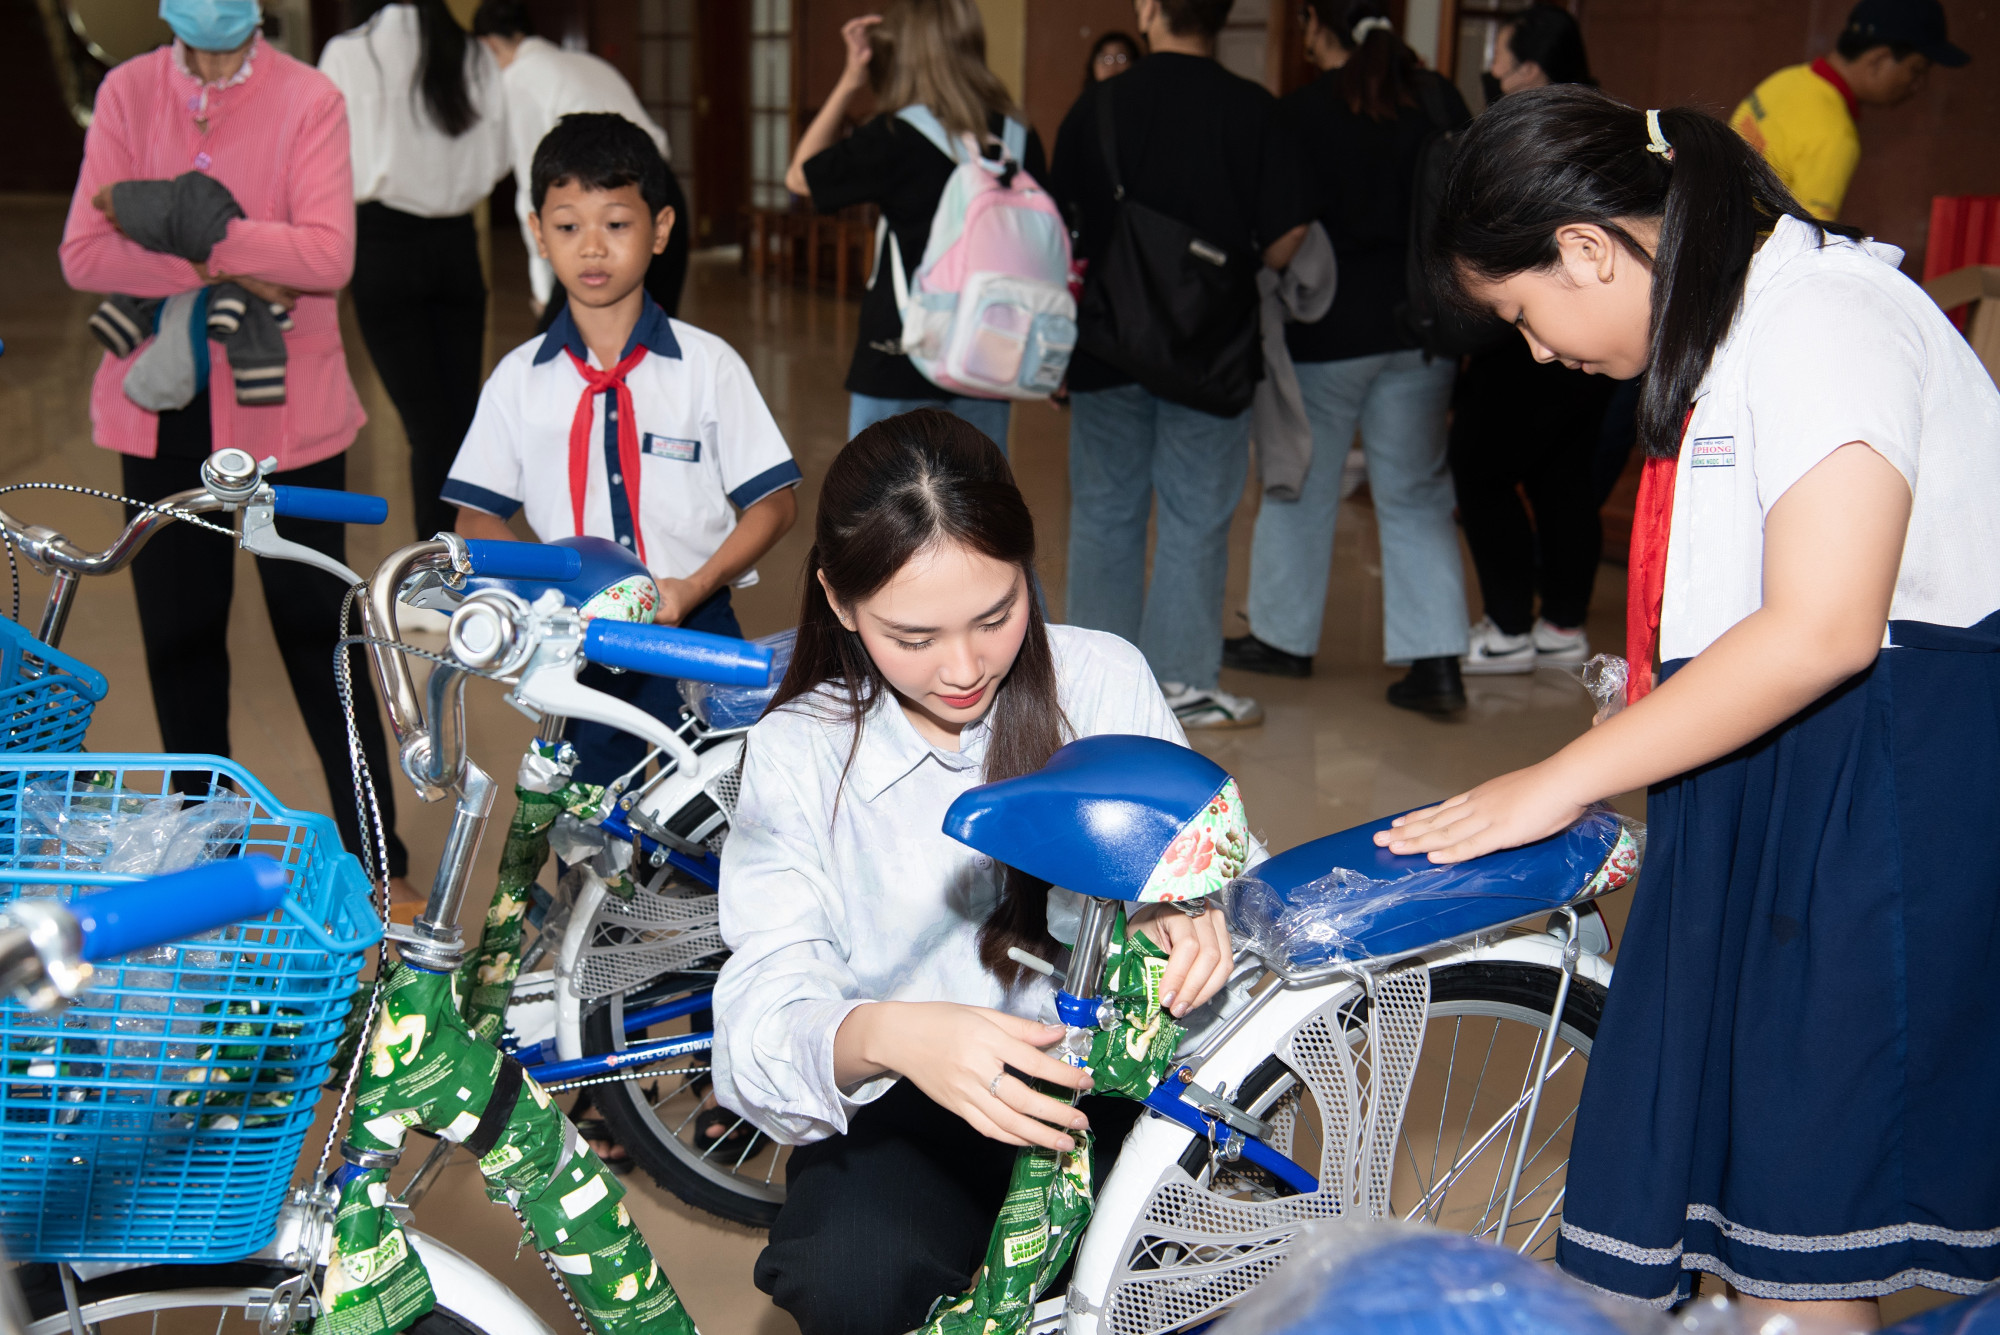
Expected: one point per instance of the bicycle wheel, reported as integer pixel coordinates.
(663, 1117)
(171, 1299)
(1462, 1127)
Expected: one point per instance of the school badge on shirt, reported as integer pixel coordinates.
(673, 447)
(1714, 452)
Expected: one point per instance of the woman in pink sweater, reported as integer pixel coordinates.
(222, 101)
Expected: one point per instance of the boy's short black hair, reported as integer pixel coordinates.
(599, 150)
(502, 18)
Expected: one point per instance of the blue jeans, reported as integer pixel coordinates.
(1126, 446)
(1399, 403)
(989, 415)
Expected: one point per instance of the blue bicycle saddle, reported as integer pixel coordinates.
(1114, 816)
(610, 574)
(1342, 898)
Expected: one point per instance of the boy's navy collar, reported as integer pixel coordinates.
(654, 330)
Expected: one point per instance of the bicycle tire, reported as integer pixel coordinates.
(234, 1287)
(1515, 992)
(667, 1153)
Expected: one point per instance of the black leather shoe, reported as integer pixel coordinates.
(1433, 687)
(1247, 653)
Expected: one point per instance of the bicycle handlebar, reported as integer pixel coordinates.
(337, 507)
(668, 651)
(522, 560)
(180, 904)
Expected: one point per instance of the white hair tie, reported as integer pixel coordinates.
(1657, 142)
(1371, 24)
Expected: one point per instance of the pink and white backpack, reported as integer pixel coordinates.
(989, 312)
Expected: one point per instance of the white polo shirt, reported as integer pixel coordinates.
(708, 445)
(1832, 344)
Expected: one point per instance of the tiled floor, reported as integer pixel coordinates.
(1330, 754)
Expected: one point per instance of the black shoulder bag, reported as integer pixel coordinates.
(1171, 309)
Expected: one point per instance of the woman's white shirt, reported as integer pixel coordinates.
(1832, 345)
(825, 910)
(401, 157)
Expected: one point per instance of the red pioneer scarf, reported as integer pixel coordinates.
(1646, 572)
(595, 383)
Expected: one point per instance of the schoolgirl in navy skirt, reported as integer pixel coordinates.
(1796, 1082)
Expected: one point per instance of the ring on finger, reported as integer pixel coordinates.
(993, 1085)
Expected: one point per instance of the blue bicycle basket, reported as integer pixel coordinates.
(161, 1117)
(45, 695)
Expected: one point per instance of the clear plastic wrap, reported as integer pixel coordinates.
(1604, 677)
(1388, 1277)
(725, 707)
(141, 834)
(1339, 915)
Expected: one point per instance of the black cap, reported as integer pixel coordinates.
(1912, 23)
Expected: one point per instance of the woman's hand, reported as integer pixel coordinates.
(1200, 953)
(860, 54)
(1506, 812)
(953, 1052)
(101, 201)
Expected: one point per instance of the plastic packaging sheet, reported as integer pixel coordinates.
(1333, 916)
(145, 834)
(1604, 677)
(726, 707)
(1388, 1277)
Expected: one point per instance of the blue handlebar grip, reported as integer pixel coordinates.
(180, 904)
(522, 560)
(667, 651)
(335, 507)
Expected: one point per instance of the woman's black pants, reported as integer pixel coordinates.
(881, 1222)
(185, 578)
(1519, 426)
(420, 300)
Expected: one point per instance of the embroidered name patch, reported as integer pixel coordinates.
(673, 447)
(1714, 452)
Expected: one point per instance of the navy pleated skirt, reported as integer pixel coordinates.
(1796, 1082)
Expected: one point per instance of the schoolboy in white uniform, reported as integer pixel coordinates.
(622, 423)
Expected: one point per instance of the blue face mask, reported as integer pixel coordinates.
(212, 25)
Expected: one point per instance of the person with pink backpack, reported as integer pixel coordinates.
(980, 314)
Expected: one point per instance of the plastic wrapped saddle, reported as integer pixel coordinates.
(727, 707)
(1341, 898)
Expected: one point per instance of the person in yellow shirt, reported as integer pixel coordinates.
(1802, 119)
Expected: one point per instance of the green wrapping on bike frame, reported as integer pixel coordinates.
(425, 1068)
(1049, 1196)
(543, 790)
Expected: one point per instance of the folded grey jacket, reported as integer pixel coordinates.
(1302, 294)
(186, 217)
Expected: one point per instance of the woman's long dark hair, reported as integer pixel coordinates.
(441, 63)
(904, 485)
(1549, 37)
(1541, 159)
(1381, 73)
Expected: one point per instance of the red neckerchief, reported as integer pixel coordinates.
(1824, 68)
(595, 383)
(1646, 571)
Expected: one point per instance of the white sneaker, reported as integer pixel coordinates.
(1211, 708)
(1494, 653)
(1553, 644)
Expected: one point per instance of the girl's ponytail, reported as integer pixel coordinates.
(1539, 160)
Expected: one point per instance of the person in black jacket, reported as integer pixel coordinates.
(1362, 125)
(1521, 425)
(1209, 150)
